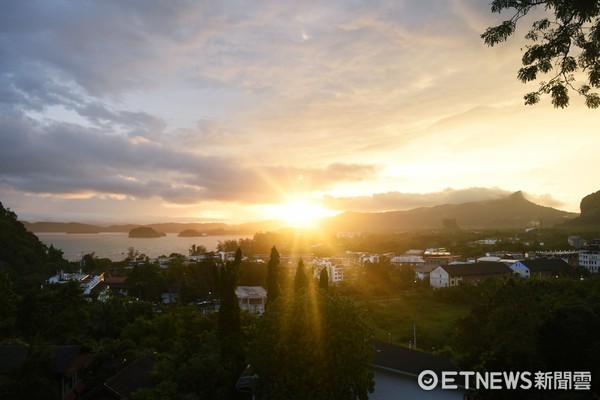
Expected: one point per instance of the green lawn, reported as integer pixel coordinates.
(435, 320)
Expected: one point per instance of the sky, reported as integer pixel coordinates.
(146, 111)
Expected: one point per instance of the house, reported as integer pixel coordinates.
(65, 363)
(439, 256)
(540, 267)
(423, 271)
(397, 368)
(117, 284)
(135, 375)
(453, 275)
(411, 261)
(252, 298)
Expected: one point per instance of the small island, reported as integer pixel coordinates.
(191, 233)
(145, 232)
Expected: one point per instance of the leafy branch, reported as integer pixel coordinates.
(567, 44)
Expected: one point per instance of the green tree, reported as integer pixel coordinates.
(146, 282)
(9, 302)
(273, 287)
(566, 42)
(310, 345)
(300, 279)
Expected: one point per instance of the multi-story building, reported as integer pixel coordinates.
(589, 256)
(335, 272)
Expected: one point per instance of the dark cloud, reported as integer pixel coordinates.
(67, 159)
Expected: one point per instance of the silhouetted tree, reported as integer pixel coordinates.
(566, 42)
(300, 279)
(324, 280)
(197, 249)
(229, 310)
(273, 288)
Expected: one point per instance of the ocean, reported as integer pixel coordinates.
(115, 245)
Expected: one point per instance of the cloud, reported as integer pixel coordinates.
(226, 101)
(65, 159)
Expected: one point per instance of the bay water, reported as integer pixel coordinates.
(115, 245)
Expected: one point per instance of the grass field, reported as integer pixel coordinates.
(435, 320)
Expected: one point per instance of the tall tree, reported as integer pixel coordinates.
(300, 280)
(273, 288)
(566, 42)
(324, 280)
(312, 346)
(229, 310)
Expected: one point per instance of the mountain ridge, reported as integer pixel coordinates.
(512, 211)
(509, 212)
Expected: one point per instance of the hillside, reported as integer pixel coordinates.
(511, 212)
(25, 259)
(590, 212)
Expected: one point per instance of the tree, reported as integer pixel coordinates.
(300, 279)
(324, 280)
(146, 282)
(273, 288)
(564, 44)
(310, 345)
(227, 245)
(197, 250)
(9, 302)
(229, 310)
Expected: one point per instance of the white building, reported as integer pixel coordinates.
(335, 273)
(86, 281)
(252, 298)
(589, 257)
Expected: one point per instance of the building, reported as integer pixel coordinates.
(135, 375)
(252, 298)
(453, 275)
(589, 256)
(397, 368)
(411, 261)
(439, 256)
(335, 272)
(65, 365)
(87, 282)
(539, 267)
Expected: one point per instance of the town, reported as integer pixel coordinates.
(136, 328)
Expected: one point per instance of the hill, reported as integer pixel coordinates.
(23, 257)
(145, 232)
(511, 212)
(67, 227)
(590, 212)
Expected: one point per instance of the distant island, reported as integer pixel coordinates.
(191, 233)
(145, 232)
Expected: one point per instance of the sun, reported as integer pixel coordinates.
(302, 213)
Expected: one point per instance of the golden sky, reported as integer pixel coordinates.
(229, 111)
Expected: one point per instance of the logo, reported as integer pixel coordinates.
(428, 380)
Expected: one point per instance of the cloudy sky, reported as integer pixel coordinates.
(143, 111)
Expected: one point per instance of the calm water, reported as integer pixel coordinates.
(115, 245)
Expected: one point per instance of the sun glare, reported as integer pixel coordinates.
(302, 213)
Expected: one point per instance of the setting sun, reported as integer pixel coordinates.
(302, 213)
